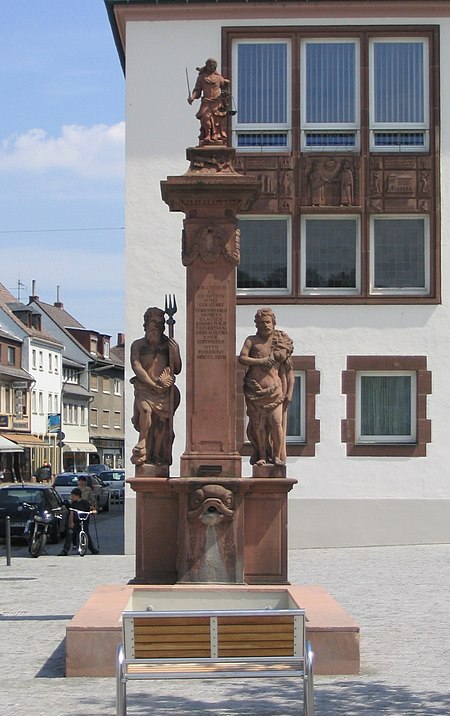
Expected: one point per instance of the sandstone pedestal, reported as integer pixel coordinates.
(210, 195)
(172, 541)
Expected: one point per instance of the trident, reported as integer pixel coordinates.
(170, 309)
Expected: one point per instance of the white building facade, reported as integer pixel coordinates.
(341, 112)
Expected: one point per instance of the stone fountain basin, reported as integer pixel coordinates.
(92, 636)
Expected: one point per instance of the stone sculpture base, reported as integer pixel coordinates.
(147, 470)
(95, 631)
(164, 535)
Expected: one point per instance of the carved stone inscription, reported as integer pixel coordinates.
(211, 322)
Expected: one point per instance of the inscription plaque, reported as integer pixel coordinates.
(211, 322)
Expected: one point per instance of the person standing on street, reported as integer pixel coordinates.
(77, 503)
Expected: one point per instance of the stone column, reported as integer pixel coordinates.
(210, 194)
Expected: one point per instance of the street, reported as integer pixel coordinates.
(106, 529)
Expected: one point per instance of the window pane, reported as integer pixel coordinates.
(330, 82)
(398, 82)
(264, 245)
(294, 416)
(386, 406)
(399, 253)
(262, 83)
(330, 257)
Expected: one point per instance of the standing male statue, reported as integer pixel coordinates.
(155, 360)
(214, 91)
(268, 387)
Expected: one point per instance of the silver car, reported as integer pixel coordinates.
(116, 481)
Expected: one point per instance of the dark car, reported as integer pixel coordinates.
(116, 481)
(12, 499)
(97, 468)
(66, 481)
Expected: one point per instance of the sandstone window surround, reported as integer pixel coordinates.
(349, 165)
(386, 406)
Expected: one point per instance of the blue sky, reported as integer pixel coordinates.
(62, 158)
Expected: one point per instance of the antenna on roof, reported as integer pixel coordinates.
(20, 285)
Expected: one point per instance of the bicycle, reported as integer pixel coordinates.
(82, 535)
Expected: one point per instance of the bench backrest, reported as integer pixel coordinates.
(252, 634)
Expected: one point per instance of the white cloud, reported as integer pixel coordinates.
(96, 151)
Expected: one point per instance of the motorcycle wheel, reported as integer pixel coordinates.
(83, 544)
(37, 544)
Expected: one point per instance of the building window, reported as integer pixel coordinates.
(56, 363)
(265, 265)
(106, 419)
(106, 385)
(348, 157)
(399, 94)
(50, 403)
(41, 403)
(41, 360)
(34, 402)
(399, 255)
(93, 345)
(330, 94)
(330, 257)
(263, 88)
(8, 403)
(296, 424)
(11, 355)
(56, 402)
(94, 418)
(33, 359)
(386, 406)
(94, 382)
(117, 419)
(117, 387)
(303, 428)
(106, 348)
(82, 415)
(50, 363)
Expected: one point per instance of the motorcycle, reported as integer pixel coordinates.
(37, 527)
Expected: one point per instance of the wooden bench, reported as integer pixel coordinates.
(212, 644)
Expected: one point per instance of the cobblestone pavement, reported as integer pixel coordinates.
(399, 595)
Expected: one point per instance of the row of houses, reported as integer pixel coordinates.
(61, 390)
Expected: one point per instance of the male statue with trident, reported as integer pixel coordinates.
(156, 361)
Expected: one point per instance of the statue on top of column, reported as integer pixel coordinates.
(214, 92)
(268, 388)
(156, 361)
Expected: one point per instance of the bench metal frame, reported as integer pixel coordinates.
(129, 667)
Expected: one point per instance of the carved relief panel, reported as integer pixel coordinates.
(400, 184)
(330, 181)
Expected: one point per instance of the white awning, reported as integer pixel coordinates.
(8, 445)
(79, 447)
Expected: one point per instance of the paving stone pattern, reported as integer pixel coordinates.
(399, 595)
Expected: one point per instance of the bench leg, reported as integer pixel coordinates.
(308, 682)
(121, 684)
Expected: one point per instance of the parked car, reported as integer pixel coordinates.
(66, 481)
(116, 481)
(97, 468)
(12, 499)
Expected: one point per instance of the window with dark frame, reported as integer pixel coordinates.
(341, 126)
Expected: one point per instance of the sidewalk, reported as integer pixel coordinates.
(400, 597)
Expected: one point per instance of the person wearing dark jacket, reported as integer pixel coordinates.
(77, 503)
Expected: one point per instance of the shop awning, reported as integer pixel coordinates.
(8, 446)
(26, 440)
(79, 447)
